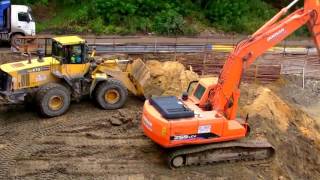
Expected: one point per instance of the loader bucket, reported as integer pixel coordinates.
(142, 77)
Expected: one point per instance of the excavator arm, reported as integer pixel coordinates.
(225, 95)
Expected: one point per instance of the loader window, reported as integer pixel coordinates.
(68, 54)
(57, 51)
(75, 54)
(4, 81)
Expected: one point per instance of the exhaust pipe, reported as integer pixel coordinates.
(29, 58)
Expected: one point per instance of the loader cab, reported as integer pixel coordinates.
(71, 52)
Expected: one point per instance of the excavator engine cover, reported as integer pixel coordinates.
(170, 107)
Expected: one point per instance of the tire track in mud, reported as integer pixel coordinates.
(9, 153)
(34, 128)
(129, 156)
(114, 154)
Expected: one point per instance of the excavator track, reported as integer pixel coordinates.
(243, 150)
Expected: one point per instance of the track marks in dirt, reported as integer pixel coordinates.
(90, 148)
(104, 156)
(26, 127)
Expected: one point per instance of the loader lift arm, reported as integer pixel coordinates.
(224, 96)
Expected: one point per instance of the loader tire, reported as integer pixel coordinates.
(111, 94)
(53, 100)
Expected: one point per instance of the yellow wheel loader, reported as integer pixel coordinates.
(70, 73)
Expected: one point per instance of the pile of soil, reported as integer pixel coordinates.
(11, 57)
(292, 131)
(172, 77)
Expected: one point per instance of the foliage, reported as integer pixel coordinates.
(169, 22)
(167, 17)
(28, 2)
(163, 17)
(239, 16)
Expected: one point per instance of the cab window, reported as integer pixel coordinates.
(199, 91)
(75, 54)
(24, 17)
(192, 86)
(68, 54)
(57, 51)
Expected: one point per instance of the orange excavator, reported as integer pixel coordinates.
(202, 126)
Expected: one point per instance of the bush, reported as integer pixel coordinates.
(178, 17)
(97, 26)
(238, 16)
(169, 22)
(29, 1)
(162, 17)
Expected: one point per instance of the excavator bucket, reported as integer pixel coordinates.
(142, 78)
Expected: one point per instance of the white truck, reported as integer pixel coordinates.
(15, 21)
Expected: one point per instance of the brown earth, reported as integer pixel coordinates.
(88, 143)
(172, 77)
(293, 132)
(10, 57)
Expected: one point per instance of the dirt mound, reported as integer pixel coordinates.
(10, 57)
(270, 106)
(293, 133)
(172, 77)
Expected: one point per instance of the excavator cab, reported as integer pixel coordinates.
(198, 91)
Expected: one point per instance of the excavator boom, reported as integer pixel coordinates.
(247, 51)
(314, 22)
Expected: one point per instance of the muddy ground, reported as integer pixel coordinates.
(89, 143)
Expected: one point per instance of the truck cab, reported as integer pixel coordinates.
(15, 21)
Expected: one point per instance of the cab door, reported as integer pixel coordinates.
(25, 23)
(75, 65)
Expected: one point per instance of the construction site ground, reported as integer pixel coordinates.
(89, 143)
